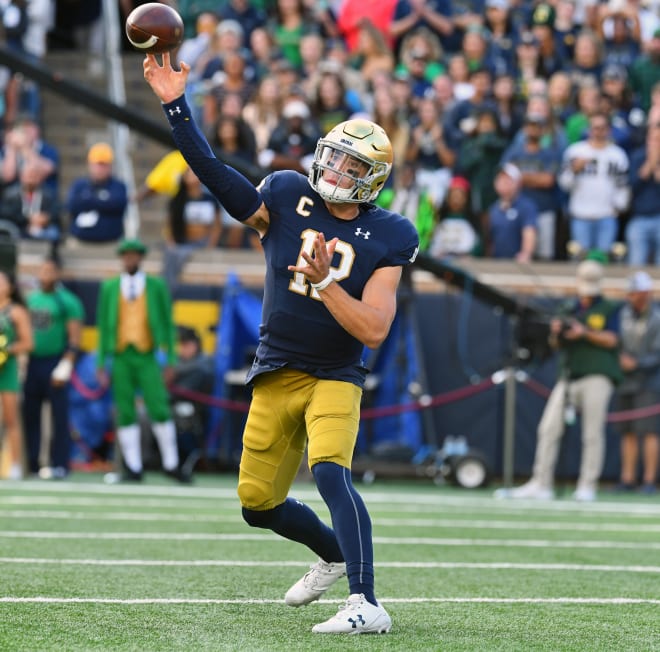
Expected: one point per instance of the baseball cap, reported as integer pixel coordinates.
(296, 109)
(589, 276)
(544, 15)
(528, 38)
(100, 153)
(230, 25)
(536, 118)
(640, 282)
(498, 4)
(460, 182)
(281, 64)
(615, 71)
(512, 171)
(132, 244)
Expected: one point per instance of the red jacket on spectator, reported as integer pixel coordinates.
(353, 12)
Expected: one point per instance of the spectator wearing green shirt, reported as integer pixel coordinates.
(57, 316)
(588, 103)
(645, 72)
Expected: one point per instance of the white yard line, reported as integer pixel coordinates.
(404, 501)
(441, 565)
(478, 600)
(165, 517)
(379, 540)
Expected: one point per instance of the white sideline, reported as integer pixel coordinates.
(482, 600)
(379, 540)
(596, 568)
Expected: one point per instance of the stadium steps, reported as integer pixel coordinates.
(74, 128)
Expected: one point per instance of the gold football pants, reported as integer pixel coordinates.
(289, 410)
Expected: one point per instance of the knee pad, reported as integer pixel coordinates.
(254, 494)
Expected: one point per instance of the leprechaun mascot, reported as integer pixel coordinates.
(134, 318)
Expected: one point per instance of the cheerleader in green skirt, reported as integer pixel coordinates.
(15, 339)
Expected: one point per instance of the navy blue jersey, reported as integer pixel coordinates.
(297, 329)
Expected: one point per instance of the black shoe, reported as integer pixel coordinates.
(648, 489)
(180, 474)
(131, 476)
(624, 487)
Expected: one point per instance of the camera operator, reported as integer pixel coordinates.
(586, 334)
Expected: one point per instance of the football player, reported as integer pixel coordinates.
(333, 265)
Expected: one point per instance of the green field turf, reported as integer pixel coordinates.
(157, 566)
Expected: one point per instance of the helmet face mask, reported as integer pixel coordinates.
(351, 163)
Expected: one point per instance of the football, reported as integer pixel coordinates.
(154, 28)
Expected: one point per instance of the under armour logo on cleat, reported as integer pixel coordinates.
(364, 234)
(176, 109)
(358, 621)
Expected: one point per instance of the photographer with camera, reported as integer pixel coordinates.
(586, 334)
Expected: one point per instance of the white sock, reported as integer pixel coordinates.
(165, 433)
(15, 471)
(130, 445)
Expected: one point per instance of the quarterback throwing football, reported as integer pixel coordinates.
(333, 265)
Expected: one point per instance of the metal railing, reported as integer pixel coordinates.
(117, 93)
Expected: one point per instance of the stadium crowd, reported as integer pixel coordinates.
(561, 97)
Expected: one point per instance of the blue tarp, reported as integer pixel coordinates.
(90, 418)
(236, 335)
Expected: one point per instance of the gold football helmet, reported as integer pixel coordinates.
(352, 162)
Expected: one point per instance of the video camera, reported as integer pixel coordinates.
(534, 333)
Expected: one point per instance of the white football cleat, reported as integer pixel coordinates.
(15, 472)
(314, 583)
(356, 616)
(531, 490)
(584, 495)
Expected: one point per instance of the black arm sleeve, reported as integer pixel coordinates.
(239, 197)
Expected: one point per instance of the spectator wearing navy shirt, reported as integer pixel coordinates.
(459, 122)
(565, 27)
(587, 64)
(643, 229)
(23, 143)
(512, 218)
(539, 165)
(627, 116)
(618, 25)
(97, 202)
(245, 14)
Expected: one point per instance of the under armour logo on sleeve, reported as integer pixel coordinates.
(176, 109)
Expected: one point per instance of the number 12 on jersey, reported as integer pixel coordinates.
(344, 250)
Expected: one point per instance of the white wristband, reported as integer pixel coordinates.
(321, 285)
(63, 370)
